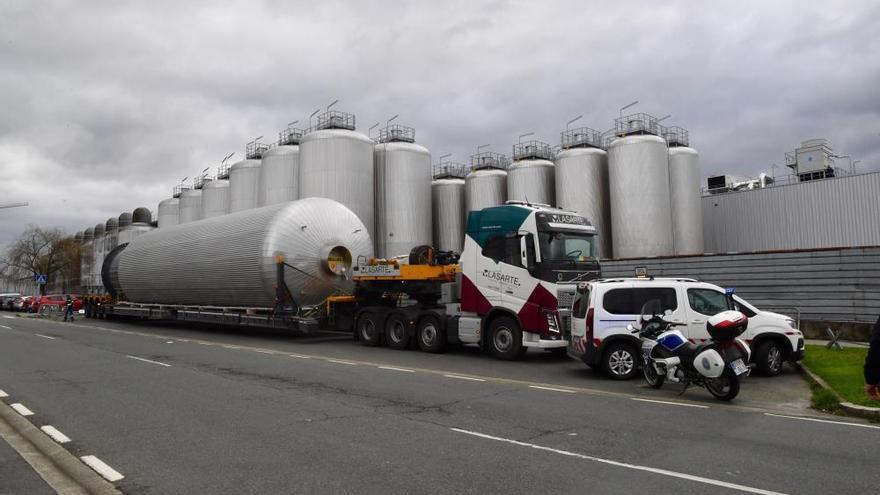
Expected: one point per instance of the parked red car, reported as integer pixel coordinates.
(23, 303)
(57, 300)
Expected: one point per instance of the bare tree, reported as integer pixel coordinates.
(45, 251)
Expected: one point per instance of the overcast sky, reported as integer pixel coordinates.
(107, 104)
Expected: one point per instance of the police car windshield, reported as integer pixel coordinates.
(568, 246)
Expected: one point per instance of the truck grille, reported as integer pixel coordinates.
(565, 298)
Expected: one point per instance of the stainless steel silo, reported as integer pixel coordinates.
(638, 180)
(97, 258)
(87, 258)
(403, 192)
(168, 212)
(244, 185)
(215, 198)
(111, 240)
(684, 191)
(124, 220)
(279, 174)
(531, 175)
(582, 182)
(138, 224)
(190, 206)
(78, 237)
(486, 184)
(141, 214)
(337, 163)
(448, 206)
(231, 260)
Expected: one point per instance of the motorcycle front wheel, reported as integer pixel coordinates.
(725, 387)
(652, 378)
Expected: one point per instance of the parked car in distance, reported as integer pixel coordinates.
(7, 299)
(22, 304)
(602, 309)
(55, 302)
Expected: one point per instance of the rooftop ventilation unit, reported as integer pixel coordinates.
(489, 159)
(397, 133)
(675, 136)
(532, 150)
(450, 170)
(582, 137)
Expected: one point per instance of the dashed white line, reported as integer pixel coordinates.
(460, 377)
(3, 394)
(698, 406)
(664, 472)
(149, 361)
(264, 351)
(4, 326)
(817, 420)
(44, 336)
(300, 356)
(9, 317)
(552, 389)
(392, 368)
(55, 434)
(21, 409)
(107, 472)
(339, 361)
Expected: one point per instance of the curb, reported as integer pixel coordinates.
(851, 409)
(78, 474)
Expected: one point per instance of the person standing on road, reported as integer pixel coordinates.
(872, 364)
(68, 308)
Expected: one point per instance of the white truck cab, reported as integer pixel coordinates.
(602, 309)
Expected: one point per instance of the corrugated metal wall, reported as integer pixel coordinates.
(841, 285)
(838, 212)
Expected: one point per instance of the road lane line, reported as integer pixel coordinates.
(4, 326)
(392, 368)
(300, 356)
(55, 434)
(20, 409)
(552, 389)
(149, 361)
(9, 317)
(636, 467)
(817, 420)
(460, 377)
(3, 394)
(699, 406)
(264, 351)
(44, 336)
(107, 472)
(339, 361)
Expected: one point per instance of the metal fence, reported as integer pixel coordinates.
(838, 285)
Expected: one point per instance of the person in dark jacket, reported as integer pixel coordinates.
(872, 364)
(68, 308)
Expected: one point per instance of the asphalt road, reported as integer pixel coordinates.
(187, 410)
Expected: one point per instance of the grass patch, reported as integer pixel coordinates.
(843, 370)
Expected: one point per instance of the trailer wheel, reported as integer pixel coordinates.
(505, 339)
(431, 334)
(368, 329)
(397, 332)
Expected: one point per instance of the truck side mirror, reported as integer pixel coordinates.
(527, 251)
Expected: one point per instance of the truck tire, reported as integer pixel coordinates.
(505, 339)
(769, 358)
(620, 361)
(368, 329)
(397, 331)
(430, 334)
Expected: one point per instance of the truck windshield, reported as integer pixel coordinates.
(568, 246)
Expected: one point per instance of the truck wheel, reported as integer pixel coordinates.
(620, 361)
(397, 332)
(430, 334)
(368, 329)
(769, 358)
(505, 339)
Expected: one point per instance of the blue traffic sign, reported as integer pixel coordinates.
(41, 279)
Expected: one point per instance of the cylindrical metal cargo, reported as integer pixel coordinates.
(484, 188)
(231, 260)
(279, 175)
(532, 180)
(168, 212)
(449, 214)
(582, 187)
(87, 258)
(244, 185)
(338, 164)
(403, 198)
(97, 258)
(190, 206)
(684, 191)
(215, 198)
(141, 214)
(638, 183)
(139, 223)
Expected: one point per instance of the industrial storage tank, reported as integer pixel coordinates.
(279, 172)
(244, 184)
(168, 212)
(337, 163)
(87, 258)
(138, 222)
(448, 206)
(638, 183)
(684, 191)
(582, 182)
(530, 177)
(97, 258)
(403, 192)
(190, 208)
(231, 260)
(215, 198)
(486, 184)
(111, 239)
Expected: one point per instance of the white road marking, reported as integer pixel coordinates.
(4, 326)
(392, 368)
(699, 406)
(44, 336)
(107, 472)
(300, 356)
(9, 317)
(20, 409)
(3, 394)
(460, 377)
(552, 389)
(841, 423)
(264, 351)
(339, 361)
(149, 361)
(55, 434)
(664, 472)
